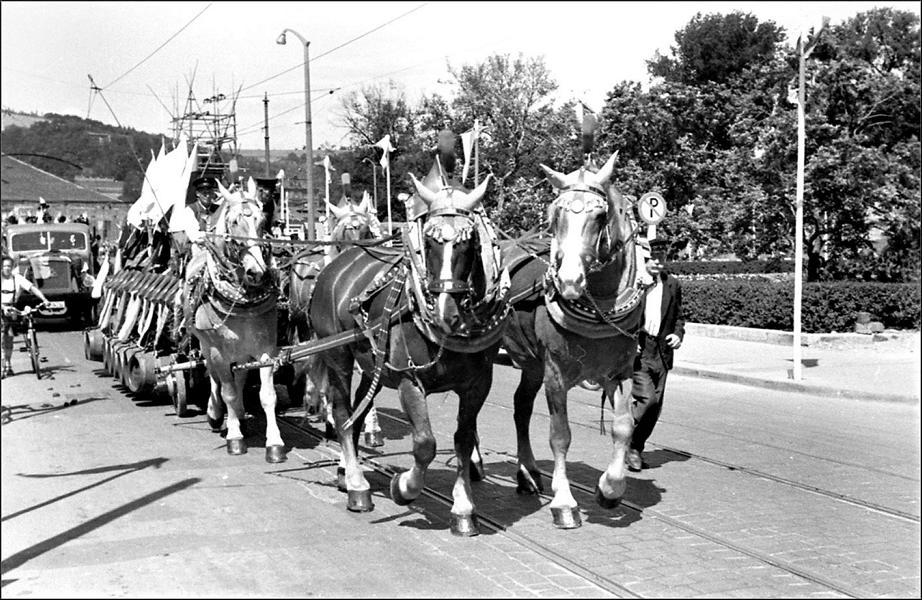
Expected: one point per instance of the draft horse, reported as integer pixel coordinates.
(432, 314)
(577, 310)
(352, 223)
(229, 304)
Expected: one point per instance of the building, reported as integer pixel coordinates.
(21, 186)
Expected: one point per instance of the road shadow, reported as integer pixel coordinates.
(657, 458)
(23, 556)
(393, 428)
(21, 412)
(48, 372)
(124, 468)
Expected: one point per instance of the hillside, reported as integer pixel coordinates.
(67, 146)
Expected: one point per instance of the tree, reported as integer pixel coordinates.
(717, 47)
(512, 100)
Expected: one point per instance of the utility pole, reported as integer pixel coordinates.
(266, 117)
(803, 51)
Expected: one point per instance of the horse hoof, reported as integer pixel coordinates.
(341, 479)
(330, 433)
(464, 525)
(374, 439)
(359, 501)
(476, 471)
(566, 517)
(528, 484)
(275, 454)
(396, 496)
(605, 502)
(216, 424)
(236, 447)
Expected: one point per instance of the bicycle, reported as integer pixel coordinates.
(30, 339)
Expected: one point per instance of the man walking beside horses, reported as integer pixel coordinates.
(663, 332)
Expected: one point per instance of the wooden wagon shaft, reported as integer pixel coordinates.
(290, 354)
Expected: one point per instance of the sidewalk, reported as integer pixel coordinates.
(883, 367)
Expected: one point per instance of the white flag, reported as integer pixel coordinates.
(385, 145)
(179, 218)
(467, 143)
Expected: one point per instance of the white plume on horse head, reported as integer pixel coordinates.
(451, 198)
(252, 193)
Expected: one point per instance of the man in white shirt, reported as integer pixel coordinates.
(12, 284)
(663, 331)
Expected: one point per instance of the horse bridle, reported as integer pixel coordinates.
(441, 285)
(578, 204)
(239, 245)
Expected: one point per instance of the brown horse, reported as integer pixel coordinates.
(352, 223)
(432, 313)
(230, 306)
(577, 309)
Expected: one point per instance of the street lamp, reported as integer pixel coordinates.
(308, 147)
(374, 178)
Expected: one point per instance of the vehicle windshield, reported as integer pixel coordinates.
(48, 240)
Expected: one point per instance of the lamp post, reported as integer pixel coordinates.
(308, 147)
(374, 179)
(803, 50)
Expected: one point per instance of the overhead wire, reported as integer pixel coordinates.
(160, 46)
(336, 48)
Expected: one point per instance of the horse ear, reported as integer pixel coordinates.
(223, 191)
(365, 204)
(427, 195)
(473, 199)
(339, 213)
(605, 172)
(556, 179)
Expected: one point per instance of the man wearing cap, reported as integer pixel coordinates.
(662, 333)
(204, 205)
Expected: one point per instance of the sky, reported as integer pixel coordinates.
(143, 54)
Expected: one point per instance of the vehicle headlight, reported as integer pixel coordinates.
(88, 280)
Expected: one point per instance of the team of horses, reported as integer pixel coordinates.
(433, 306)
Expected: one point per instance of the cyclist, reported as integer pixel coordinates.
(13, 285)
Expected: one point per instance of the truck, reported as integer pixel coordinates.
(58, 259)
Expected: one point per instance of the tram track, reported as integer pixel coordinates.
(483, 519)
(589, 493)
(742, 469)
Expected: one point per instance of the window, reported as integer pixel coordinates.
(33, 240)
(68, 240)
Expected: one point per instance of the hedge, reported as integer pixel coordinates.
(730, 267)
(826, 306)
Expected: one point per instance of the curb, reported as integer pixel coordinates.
(781, 338)
(792, 386)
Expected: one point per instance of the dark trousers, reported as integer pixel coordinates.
(649, 384)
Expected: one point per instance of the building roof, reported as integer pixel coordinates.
(21, 182)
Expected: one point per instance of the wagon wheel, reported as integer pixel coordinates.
(180, 394)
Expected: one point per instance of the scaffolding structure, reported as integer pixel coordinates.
(213, 126)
